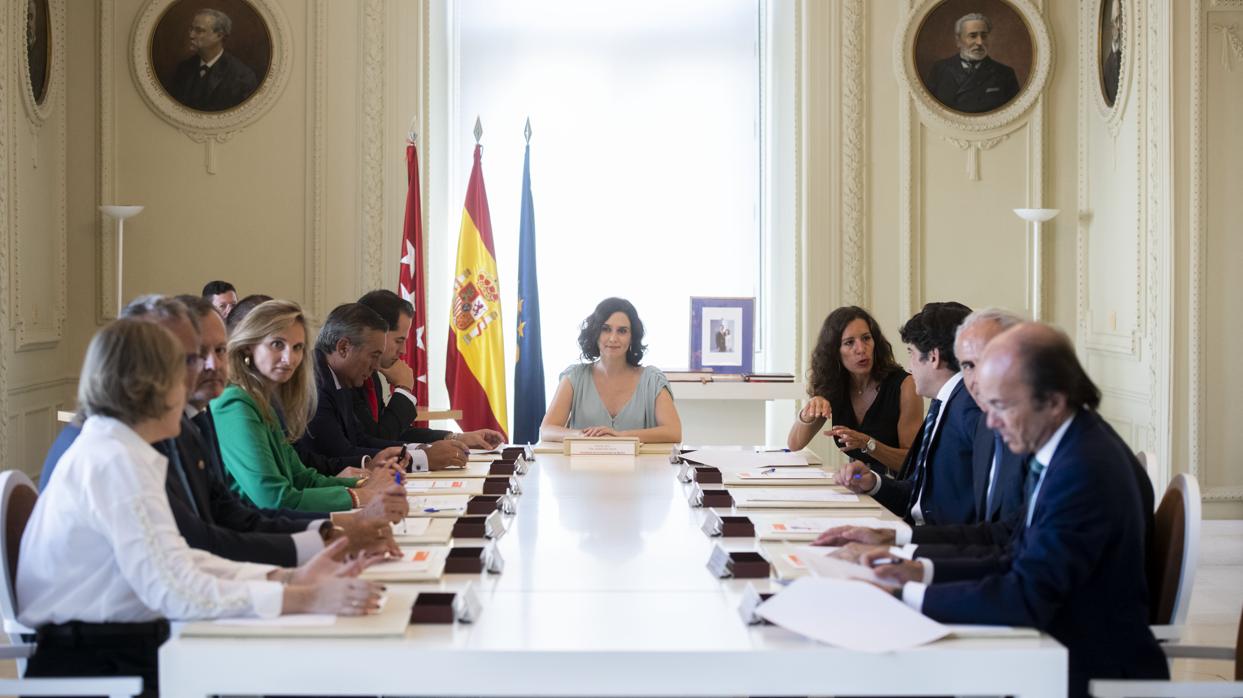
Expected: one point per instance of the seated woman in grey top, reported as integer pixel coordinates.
(613, 395)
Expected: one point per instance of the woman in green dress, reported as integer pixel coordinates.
(267, 373)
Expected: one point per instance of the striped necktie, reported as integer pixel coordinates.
(1035, 469)
(934, 408)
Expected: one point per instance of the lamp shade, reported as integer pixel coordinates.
(1037, 215)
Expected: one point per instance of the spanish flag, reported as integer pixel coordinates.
(475, 360)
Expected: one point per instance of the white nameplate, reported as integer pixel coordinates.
(602, 446)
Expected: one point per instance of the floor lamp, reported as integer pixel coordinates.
(119, 214)
(1036, 216)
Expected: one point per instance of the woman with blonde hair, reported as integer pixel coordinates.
(102, 564)
(271, 383)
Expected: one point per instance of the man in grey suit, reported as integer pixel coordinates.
(211, 79)
(972, 81)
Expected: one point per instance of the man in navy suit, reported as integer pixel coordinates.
(392, 420)
(935, 483)
(348, 350)
(1076, 567)
(997, 473)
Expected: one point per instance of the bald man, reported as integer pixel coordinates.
(1076, 567)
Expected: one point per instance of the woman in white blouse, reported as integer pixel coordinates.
(101, 562)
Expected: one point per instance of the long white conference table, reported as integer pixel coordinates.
(605, 592)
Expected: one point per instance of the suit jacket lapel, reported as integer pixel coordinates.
(982, 464)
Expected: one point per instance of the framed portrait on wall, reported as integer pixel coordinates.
(211, 55)
(974, 64)
(1110, 49)
(38, 48)
(722, 334)
(210, 66)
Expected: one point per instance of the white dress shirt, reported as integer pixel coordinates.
(102, 546)
(913, 592)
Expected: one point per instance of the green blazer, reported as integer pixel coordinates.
(265, 469)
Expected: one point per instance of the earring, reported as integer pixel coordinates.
(246, 360)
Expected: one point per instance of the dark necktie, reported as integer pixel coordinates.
(176, 463)
(998, 453)
(373, 400)
(203, 70)
(1034, 470)
(921, 457)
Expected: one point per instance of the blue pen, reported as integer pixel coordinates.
(775, 450)
(430, 510)
(768, 471)
(397, 476)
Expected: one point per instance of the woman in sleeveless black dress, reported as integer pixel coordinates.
(855, 382)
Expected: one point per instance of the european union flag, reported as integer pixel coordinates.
(529, 371)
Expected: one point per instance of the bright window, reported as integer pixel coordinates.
(647, 157)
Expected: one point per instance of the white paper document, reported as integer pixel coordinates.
(778, 473)
(809, 527)
(297, 620)
(789, 494)
(412, 561)
(412, 526)
(440, 504)
(730, 458)
(849, 614)
(420, 485)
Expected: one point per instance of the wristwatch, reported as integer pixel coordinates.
(871, 446)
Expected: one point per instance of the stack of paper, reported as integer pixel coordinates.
(390, 621)
(807, 528)
(737, 459)
(795, 498)
(851, 615)
(473, 469)
(778, 476)
(423, 530)
(432, 487)
(435, 506)
(414, 565)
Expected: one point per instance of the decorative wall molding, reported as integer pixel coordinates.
(211, 127)
(1197, 251)
(316, 228)
(1195, 296)
(6, 102)
(1089, 67)
(36, 112)
(1091, 338)
(1230, 44)
(973, 148)
(106, 250)
(1158, 248)
(908, 240)
(853, 81)
(35, 332)
(370, 274)
(953, 122)
(800, 219)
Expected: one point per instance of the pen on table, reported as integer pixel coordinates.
(774, 450)
(430, 510)
(768, 471)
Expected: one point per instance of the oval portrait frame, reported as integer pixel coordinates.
(38, 112)
(930, 108)
(1111, 114)
(200, 124)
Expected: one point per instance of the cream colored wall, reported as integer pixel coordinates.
(307, 201)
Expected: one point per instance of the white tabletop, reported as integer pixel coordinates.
(605, 592)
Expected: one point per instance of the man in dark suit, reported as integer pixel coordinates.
(997, 473)
(211, 79)
(347, 352)
(1076, 567)
(935, 483)
(972, 81)
(393, 420)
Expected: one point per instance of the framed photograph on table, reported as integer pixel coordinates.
(722, 334)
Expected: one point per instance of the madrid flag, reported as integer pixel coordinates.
(475, 360)
(410, 282)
